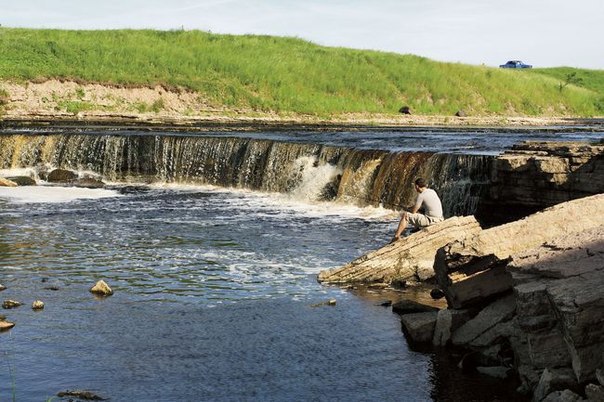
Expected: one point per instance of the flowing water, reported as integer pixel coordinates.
(212, 245)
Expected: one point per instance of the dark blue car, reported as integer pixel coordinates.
(515, 64)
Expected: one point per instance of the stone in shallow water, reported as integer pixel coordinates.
(37, 305)
(5, 325)
(10, 304)
(101, 288)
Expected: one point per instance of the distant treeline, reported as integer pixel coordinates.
(288, 75)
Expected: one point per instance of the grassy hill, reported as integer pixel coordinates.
(287, 75)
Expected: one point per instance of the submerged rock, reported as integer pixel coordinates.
(330, 302)
(2, 287)
(80, 394)
(101, 288)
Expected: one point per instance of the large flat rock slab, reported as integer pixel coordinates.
(410, 258)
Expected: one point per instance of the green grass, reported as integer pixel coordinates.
(287, 75)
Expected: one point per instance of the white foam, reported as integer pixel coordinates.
(262, 201)
(47, 194)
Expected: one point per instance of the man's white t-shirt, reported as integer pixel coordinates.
(432, 205)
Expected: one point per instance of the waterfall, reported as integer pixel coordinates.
(305, 171)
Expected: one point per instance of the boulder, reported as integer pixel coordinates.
(2, 287)
(23, 180)
(594, 392)
(562, 396)
(61, 176)
(405, 110)
(88, 182)
(487, 321)
(406, 306)
(447, 322)
(101, 288)
(460, 113)
(7, 183)
(474, 269)
(410, 258)
(554, 380)
(419, 327)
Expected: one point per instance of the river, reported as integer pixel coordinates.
(215, 280)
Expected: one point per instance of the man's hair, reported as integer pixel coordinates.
(421, 183)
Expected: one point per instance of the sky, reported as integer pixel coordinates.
(544, 33)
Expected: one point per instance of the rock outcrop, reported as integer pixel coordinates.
(536, 175)
(408, 259)
(549, 325)
(474, 269)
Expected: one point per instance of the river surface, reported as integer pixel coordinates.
(215, 298)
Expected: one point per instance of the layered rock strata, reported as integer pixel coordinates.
(535, 175)
(474, 269)
(559, 289)
(408, 259)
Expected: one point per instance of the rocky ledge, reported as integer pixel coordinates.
(526, 299)
(535, 175)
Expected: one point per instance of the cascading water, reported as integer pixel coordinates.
(306, 171)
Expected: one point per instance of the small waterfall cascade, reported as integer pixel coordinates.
(309, 172)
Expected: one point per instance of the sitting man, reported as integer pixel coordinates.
(433, 209)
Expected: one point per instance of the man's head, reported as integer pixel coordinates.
(420, 184)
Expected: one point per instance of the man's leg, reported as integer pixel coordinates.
(402, 225)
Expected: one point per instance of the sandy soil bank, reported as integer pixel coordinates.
(72, 101)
